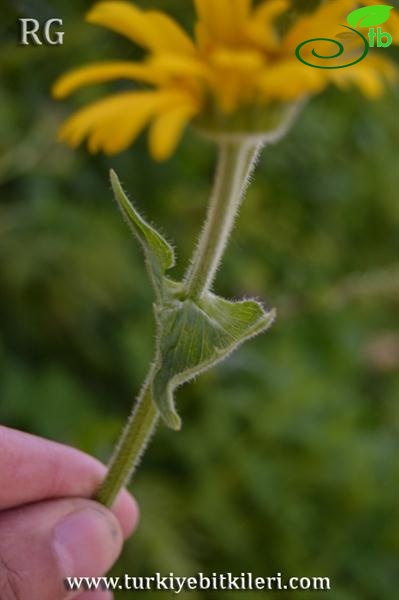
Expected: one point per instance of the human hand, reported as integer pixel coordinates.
(49, 529)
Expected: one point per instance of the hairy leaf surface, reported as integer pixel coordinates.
(193, 334)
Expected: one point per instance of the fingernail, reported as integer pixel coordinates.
(87, 542)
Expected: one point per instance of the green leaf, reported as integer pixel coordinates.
(158, 252)
(369, 16)
(194, 336)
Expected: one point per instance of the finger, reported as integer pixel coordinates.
(44, 543)
(34, 469)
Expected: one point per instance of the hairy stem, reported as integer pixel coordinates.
(132, 443)
(236, 161)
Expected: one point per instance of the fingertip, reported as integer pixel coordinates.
(88, 540)
(126, 510)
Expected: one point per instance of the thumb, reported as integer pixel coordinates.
(42, 544)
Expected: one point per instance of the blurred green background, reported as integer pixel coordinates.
(288, 457)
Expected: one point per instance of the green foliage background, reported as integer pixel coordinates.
(288, 457)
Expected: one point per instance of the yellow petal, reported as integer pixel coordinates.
(234, 73)
(324, 22)
(113, 123)
(167, 129)
(174, 65)
(237, 61)
(260, 28)
(268, 11)
(369, 84)
(171, 37)
(291, 80)
(152, 30)
(228, 96)
(370, 76)
(101, 72)
(223, 19)
(126, 19)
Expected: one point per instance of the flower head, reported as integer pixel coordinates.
(239, 73)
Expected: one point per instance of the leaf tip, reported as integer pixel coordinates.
(114, 179)
(172, 420)
(272, 315)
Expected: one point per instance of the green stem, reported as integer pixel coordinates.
(133, 441)
(236, 161)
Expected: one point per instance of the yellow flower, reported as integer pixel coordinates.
(240, 73)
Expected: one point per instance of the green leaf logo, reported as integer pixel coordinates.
(369, 16)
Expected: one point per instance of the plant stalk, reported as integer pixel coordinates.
(236, 161)
(132, 443)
